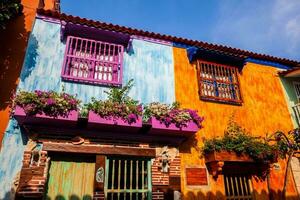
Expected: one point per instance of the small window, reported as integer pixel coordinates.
(128, 178)
(238, 187)
(218, 82)
(297, 89)
(92, 62)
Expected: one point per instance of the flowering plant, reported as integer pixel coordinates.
(118, 105)
(50, 103)
(237, 140)
(169, 114)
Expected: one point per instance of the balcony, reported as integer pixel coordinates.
(92, 62)
(296, 110)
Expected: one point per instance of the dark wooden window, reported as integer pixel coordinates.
(238, 187)
(218, 82)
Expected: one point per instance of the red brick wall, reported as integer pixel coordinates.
(175, 166)
(164, 181)
(32, 177)
(162, 178)
(159, 177)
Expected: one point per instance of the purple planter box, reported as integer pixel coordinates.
(22, 118)
(161, 128)
(97, 122)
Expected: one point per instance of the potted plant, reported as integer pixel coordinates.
(172, 119)
(239, 146)
(45, 106)
(119, 109)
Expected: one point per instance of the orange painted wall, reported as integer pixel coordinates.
(13, 42)
(264, 110)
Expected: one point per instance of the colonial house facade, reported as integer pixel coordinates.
(84, 155)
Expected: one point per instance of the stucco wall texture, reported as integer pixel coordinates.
(161, 73)
(264, 110)
(13, 42)
(150, 65)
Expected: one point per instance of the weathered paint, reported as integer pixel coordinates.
(71, 180)
(264, 110)
(13, 42)
(290, 95)
(147, 63)
(11, 155)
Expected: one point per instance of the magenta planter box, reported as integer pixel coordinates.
(22, 118)
(95, 121)
(161, 128)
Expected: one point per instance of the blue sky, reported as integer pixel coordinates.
(263, 26)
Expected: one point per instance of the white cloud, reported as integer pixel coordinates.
(271, 27)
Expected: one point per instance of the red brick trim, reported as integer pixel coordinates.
(32, 177)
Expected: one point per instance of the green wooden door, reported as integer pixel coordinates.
(70, 178)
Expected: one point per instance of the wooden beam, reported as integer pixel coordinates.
(93, 149)
(99, 173)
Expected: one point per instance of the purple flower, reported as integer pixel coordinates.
(168, 121)
(140, 108)
(39, 93)
(30, 109)
(132, 118)
(50, 101)
(73, 102)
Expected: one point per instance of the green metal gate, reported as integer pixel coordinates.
(128, 178)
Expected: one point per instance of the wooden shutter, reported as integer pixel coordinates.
(218, 82)
(91, 61)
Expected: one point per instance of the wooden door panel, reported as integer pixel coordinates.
(71, 180)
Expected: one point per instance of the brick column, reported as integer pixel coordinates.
(33, 177)
(159, 177)
(165, 182)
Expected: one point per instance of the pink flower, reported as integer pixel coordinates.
(50, 101)
(39, 93)
(132, 118)
(140, 108)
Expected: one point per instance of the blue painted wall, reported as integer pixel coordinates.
(149, 64)
(11, 156)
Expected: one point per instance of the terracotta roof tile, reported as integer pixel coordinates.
(214, 47)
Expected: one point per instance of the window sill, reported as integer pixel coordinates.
(90, 81)
(222, 101)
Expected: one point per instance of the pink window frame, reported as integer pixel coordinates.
(93, 52)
